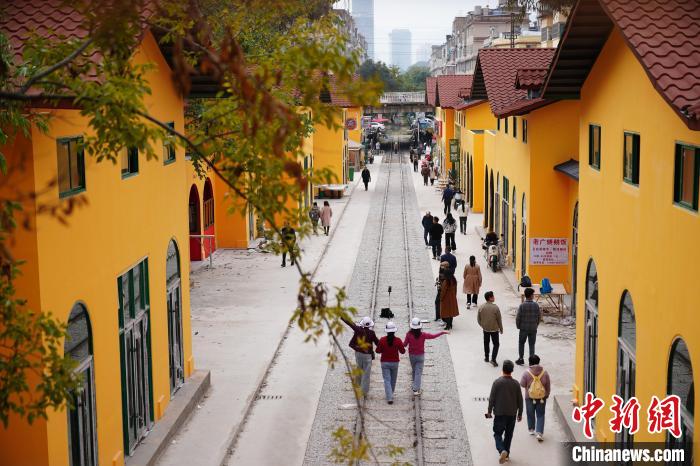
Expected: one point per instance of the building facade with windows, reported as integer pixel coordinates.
(114, 270)
(528, 200)
(638, 223)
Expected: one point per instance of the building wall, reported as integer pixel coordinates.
(640, 241)
(447, 117)
(550, 196)
(125, 221)
(477, 120)
(330, 148)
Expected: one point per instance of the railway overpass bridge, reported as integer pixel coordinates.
(400, 102)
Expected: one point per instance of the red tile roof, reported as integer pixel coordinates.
(496, 71)
(469, 104)
(664, 37)
(449, 87)
(430, 87)
(530, 78)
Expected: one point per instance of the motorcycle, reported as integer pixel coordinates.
(494, 254)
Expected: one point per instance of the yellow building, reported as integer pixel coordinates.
(447, 97)
(638, 224)
(330, 147)
(527, 199)
(113, 272)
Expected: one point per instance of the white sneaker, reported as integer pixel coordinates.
(539, 437)
(417, 392)
(531, 432)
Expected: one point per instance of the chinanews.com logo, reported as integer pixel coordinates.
(628, 417)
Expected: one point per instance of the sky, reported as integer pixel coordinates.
(428, 20)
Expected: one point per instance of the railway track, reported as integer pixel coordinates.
(407, 408)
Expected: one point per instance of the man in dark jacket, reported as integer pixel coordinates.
(425, 172)
(505, 406)
(436, 231)
(450, 259)
(527, 320)
(366, 177)
(427, 223)
(289, 237)
(447, 195)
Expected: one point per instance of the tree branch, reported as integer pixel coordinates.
(56, 66)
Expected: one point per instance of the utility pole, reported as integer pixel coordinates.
(512, 30)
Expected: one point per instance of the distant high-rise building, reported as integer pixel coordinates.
(363, 12)
(401, 48)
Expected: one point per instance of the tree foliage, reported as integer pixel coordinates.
(413, 79)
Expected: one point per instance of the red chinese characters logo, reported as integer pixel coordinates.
(665, 415)
(625, 415)
(586, 413)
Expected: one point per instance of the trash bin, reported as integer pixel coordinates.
(351, 175)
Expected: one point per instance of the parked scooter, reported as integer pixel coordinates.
(494, 254)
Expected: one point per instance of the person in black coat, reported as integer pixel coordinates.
(436, 232)
(427, 222)
(366, 177)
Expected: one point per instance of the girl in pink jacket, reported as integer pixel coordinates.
(415, 342)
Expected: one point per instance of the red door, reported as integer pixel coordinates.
(195, 225)
(209, 244)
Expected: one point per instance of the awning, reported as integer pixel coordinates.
(569, 168)
(352, 144)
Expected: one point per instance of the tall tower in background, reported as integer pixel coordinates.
(363, 12)
(401, 48)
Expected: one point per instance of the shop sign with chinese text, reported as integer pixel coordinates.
(549, 251)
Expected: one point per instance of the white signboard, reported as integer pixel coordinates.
(549, 251)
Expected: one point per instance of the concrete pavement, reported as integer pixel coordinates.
(555, 346)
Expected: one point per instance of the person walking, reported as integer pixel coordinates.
(289, 238)
(362, 342)
(425, 172)
(505, 406)
(449, 225)
(427, 222)
(527, 320)
(449, 309)
(366, 177)
(472, 281)
(436, 232)
(314, 215)
(535, 380)
(326, 214)
(433, 174)
(450, 259)
(447, 195)
(459, 199)
(415, 162)
(489, 319)
(415, 342)
(463, 218)
(389, 347)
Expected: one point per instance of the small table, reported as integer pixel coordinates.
(550, 303)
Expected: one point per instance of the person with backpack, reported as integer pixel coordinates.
(366, 177)
(436, 231)
(489, 319)
(390, 346)
(527, 320)
(314, 215)
(415, 342)
(449, 226)
(362, 342)
(535, 380)
(505, 407)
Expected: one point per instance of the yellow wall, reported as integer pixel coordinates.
(125, 221)
(356, 113)
(549, 195)
(447, 117)
(476, 120)
(330, 148)
(639, 239)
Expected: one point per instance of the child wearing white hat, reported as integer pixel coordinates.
(415, 341)
(390, 346)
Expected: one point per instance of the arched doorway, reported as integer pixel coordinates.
(491, 207)
(486, 197)
(523, 240)
(208, 214)
(195, 227)
(82, 432)
(174, 300)
(574, 260)
(497, 206)
(505, 210)
(626, 359)
(590, 350)
(514, 226)
(471, 182)
(682, 384)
